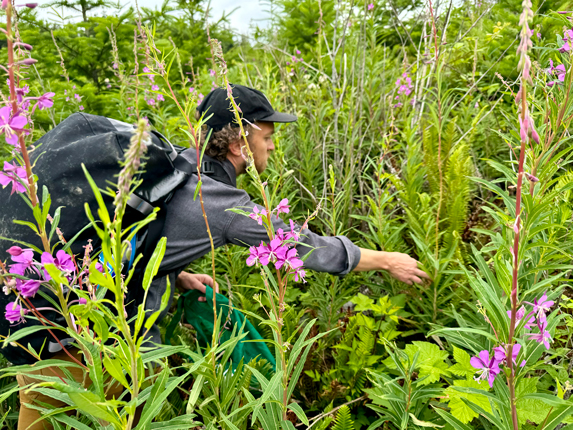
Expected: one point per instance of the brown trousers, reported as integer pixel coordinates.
(28, 415)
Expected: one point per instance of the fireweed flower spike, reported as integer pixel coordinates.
(15, 175)
(487, 368)
(10, 125)
(15, 313)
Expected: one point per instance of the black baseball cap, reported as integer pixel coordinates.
(254, 106)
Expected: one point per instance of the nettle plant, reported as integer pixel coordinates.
(522, 270)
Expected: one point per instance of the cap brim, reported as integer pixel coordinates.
(279, 117)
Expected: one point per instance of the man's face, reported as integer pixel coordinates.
(261, 144)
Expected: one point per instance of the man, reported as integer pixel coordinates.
(187, 238)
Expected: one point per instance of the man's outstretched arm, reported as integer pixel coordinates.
(400, 266)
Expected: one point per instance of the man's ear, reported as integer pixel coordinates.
(235, 147)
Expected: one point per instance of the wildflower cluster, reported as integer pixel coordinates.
(75, 99)
(24, 266)
(404, 85)
(488, 367)
(558, 70)
(281, 250)
(150, 100)
(567, 37)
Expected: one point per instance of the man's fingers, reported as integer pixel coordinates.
(416, 280)
(206, 279)
(421, 274)
(202, 299)
(216, 287)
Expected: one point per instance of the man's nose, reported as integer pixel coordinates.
(271, 147)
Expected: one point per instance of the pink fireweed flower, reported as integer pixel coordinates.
(81, 107)
(500, 353)
(520, 315)
(559, 70)
(23, 261)
(151, 102)
(567, 37)
(160, 98)
(5, 3)
(212, 72)
(115, 66)
(258, 254)
(11, 125)
(155, 87)
(273, 249)
(371, 6)
(29, 288)
(293, 234)
(288, 257)
(78, 97)
(15, 175)
(283, 207)
(191, 89)
(258, 216)
(15, 313)
(146, 69)
(541, 305)
(45, 101)
(299, 275)
(543, 336)
(487, 369)
(63, 261)
(21, 92)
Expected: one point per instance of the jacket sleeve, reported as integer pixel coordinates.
(336, 255)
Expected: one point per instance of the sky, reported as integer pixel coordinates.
(247, 12)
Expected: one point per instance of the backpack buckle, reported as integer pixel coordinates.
(207, 167)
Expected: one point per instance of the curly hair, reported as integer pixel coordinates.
(218, 145)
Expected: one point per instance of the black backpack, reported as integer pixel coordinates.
(99, 143)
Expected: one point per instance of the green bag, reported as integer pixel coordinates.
(200, 315)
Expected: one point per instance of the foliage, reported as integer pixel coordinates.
(408, 140)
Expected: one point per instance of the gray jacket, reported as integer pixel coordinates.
(187, 238)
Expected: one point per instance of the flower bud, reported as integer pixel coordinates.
(31, 5)
(27, 62)
(531, 177)
(23, 45)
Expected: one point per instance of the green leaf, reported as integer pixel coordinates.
(362, 302)
(431, 361)
(462, 367)
(295, 407)
(91, 404)
(420, 423)
(154, 262)
(113, 367)
(459, 408)
(55, 273)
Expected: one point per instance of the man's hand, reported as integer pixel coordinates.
(192, 281)
(400, 266)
